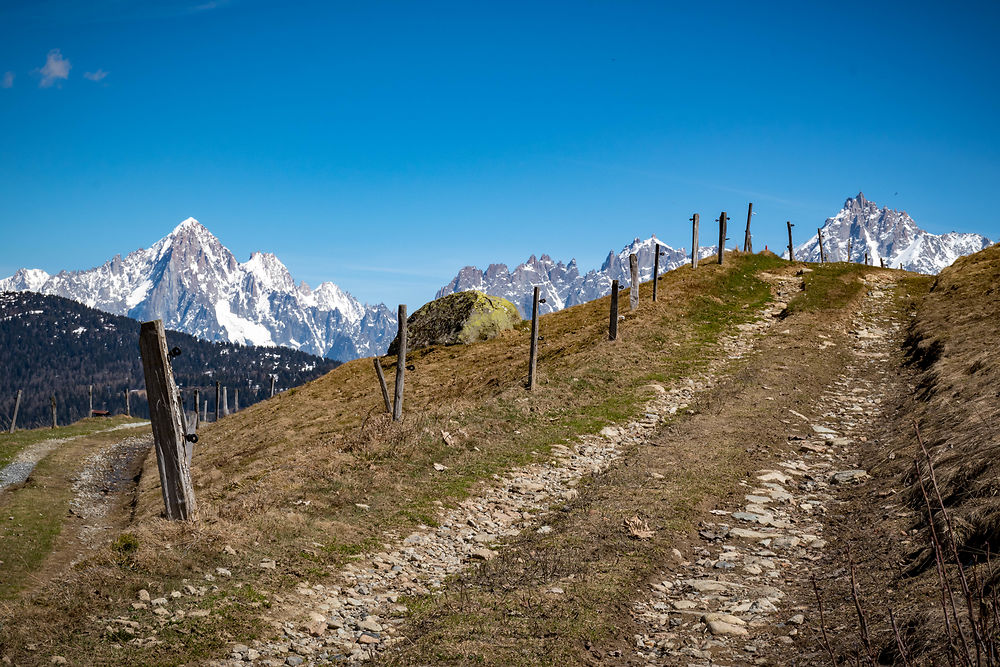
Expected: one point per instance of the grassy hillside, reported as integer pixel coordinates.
(319, 473)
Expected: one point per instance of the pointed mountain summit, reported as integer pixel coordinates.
(191, 281)
(887, 234)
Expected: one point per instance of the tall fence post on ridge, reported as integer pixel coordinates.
(822, 255)
(723, 218)
(849, 248)
(167, 423)
(381, 384)
(204, 411)
(218, 399)
(236, 399)
(397, 402)
(747, 244)
(52, 400)
(225, 402)
(533, 353)
(791, 250)
(613, 323)
(17, 406)
(197, 408)
(694, 241)
(273, 379)
(656, 271)
(128, 405)
(866, 258)
(633, 293)
(90, 394)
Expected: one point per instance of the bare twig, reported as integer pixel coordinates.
(822, 624)
(899, 640)
(862, 621)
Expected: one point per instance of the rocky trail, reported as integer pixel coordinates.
(737, 597)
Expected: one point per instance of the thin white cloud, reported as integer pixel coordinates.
(95, 76)
(8, 80)
(56, 68)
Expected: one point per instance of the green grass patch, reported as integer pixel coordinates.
(12, 443)
(829, 287)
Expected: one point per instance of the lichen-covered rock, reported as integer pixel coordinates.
(456, 319)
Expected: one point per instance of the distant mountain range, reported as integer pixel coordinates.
(195, 285)
(889, 235)
(54, 346)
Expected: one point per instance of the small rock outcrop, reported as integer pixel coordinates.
(458, 319)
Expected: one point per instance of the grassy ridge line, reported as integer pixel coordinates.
(284, 479)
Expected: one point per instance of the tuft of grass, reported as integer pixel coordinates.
(829, 287)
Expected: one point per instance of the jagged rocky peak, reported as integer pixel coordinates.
(887, 235)
(191, 281)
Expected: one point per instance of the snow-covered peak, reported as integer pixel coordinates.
(328, 296)
(269, 271)
(30, 280)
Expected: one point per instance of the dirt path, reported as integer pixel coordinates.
(737, 598)
(359, 619)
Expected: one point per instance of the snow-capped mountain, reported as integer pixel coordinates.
(195, 285)
(562, 285)
(889, 235)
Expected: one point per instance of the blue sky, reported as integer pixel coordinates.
(385, 145)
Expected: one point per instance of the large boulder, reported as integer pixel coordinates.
(457, 319)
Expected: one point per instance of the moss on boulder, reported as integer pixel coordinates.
(457, 319)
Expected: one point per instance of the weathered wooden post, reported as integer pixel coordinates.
(397, 401)
(656, 271)
(791, 250)
(849, 242)
(128, 405)
(273, 379)
(613, 324)
(633, 293)
(197, 408)
(167, 423)
(822, 256)
(723, 218)
(881, 262)
(218, 400)
(533, 353)
(381, 384)
(694, 241)
(204, 411)
(747, 245)
(866, 258)
(17, 406)
(91, 401)
(52, 400)
(236, 399)
(225, 402)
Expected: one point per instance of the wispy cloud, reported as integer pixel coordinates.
(56, 68)
(8, 80)
(95, 76)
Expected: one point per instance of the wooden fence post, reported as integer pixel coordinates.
(381, 384)
(52, 399)
(849, 242)
(236, 399)
(273, 379)
(218, 400)
(204, 411)
(91, 401)
(225, 402)
(167, 423)
(656, 271)
(866, 258)
(533, 353)
(397, 401)
(128, 406)
(747, 245)
(197, 408)
(722, 235)
(633, 293)
(17, 406)
(791, 250)
(822, 255)
(613, 324)
(694, 241)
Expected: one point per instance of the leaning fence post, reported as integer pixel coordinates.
(52, 399)
(397, 403)
(694, 241)
(822, 256)
(533, 354)
(167, 422)
(273, 379)
(613, 323)
(656, 271)
(723, 218)
(633, 293)
(747, 245)
(218, 400)
(17, 406)
(381, 384)
(791, 251)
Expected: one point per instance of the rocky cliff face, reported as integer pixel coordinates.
(195, 285)
(889, 235)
